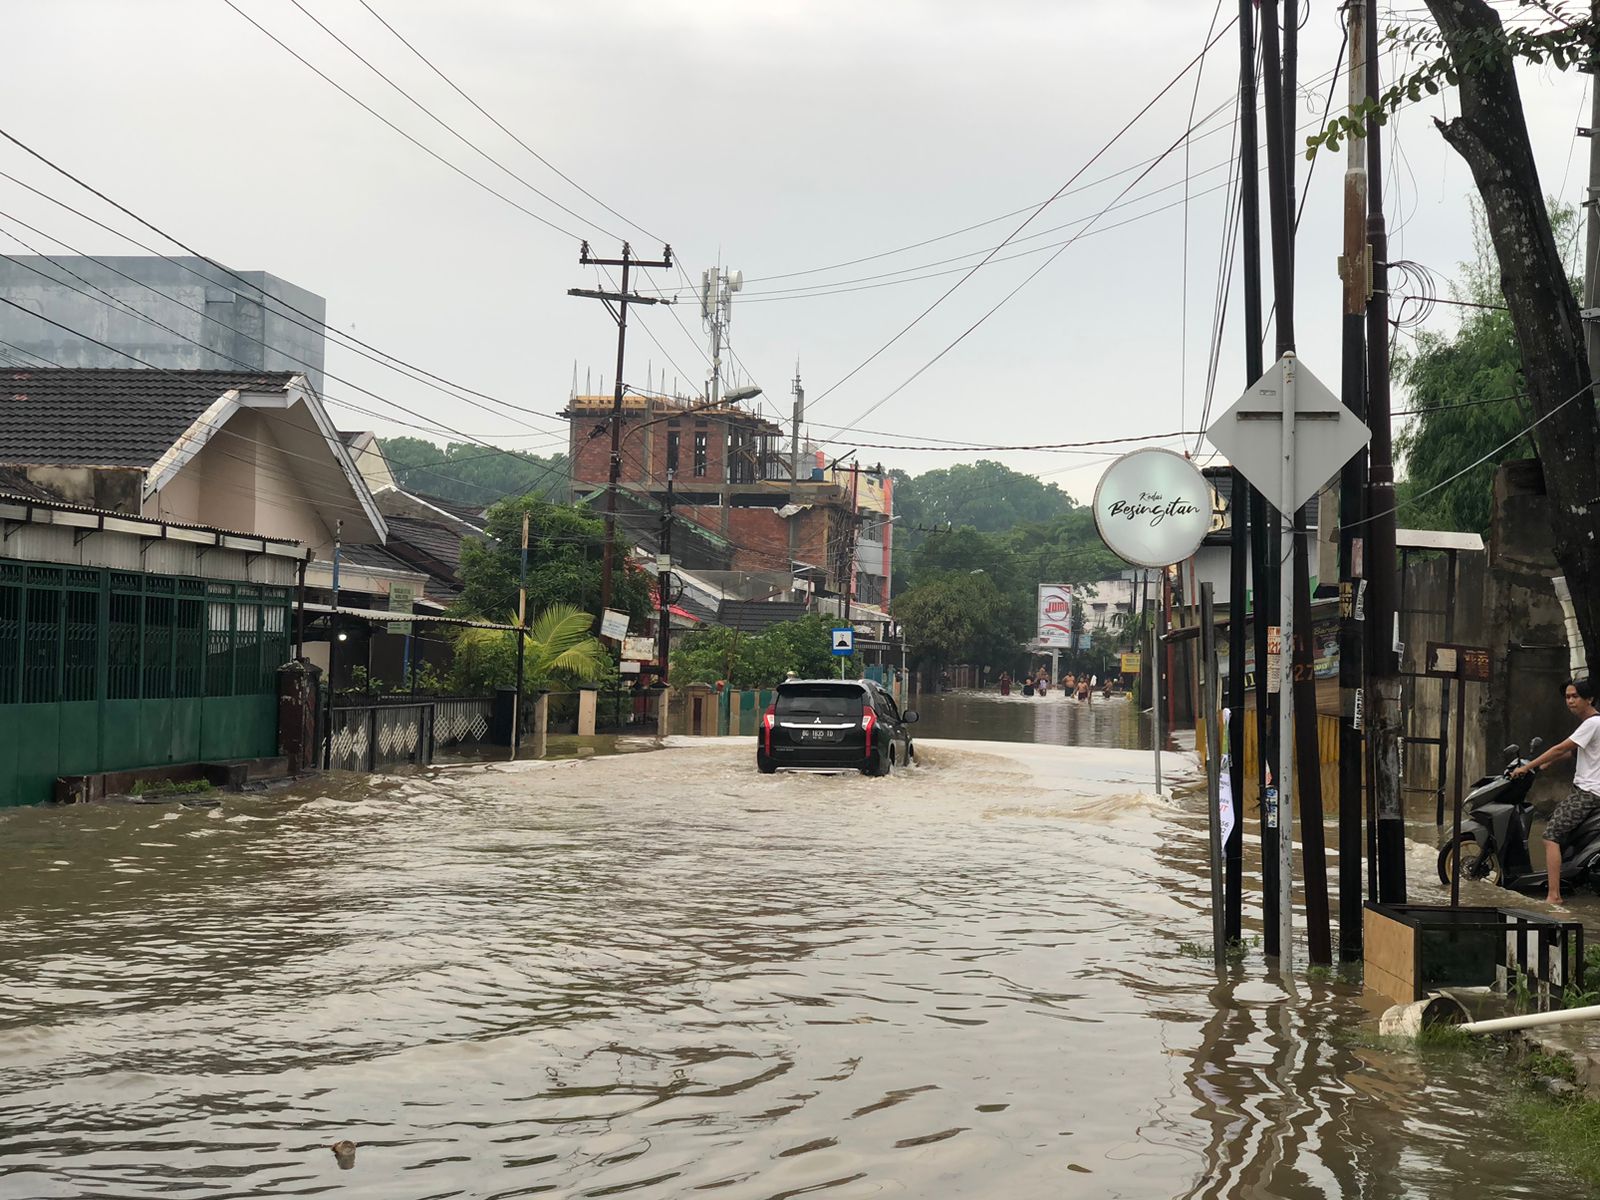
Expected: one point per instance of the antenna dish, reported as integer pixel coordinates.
(736, 282)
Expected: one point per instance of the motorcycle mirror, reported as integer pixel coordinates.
(1535, 746)
(1512, 750)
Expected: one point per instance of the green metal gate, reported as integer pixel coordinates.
(104, 670)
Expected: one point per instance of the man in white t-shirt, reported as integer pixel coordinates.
(1585, 795)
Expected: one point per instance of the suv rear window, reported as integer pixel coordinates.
(821, 700)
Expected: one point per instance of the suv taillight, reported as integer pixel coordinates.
(767, 722)
(869, 722)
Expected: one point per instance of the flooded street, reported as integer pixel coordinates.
(1051, 720)
(661, 974)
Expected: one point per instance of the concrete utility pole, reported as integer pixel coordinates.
(617, 305)
(522, 641)
(1352, 508)
(1383, 661)
(664, 580)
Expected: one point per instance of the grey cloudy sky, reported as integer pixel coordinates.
(780, 136)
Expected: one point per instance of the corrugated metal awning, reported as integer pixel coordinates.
(386, 617)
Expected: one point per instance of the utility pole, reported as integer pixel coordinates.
(664, 581)
(333, 647)
(522, 640)
(1263, 519)
(1242, 498)
(1283, 301)
(1352, 509)
(852, 530)
(1591, 258)
(617, 305)
(1383, 664)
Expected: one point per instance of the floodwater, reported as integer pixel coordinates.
(664, 975)
(1052, 719)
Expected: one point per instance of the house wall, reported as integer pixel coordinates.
(241, 479)
(218, 321)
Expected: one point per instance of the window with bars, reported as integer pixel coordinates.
(41, 646)
(80, 646)
(122, 645)
(10, 644)
(160, 637)
(159, 612)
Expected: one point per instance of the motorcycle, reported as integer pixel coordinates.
(1494, 836)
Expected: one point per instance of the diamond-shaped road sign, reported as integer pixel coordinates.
(844, 641)
(1326, 434)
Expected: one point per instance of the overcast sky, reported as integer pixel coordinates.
(775, 137)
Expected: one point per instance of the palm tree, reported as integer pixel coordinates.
(557, 647)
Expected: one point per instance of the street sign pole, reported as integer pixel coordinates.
(1155, 689)
(1286, 711)
(1287, 476)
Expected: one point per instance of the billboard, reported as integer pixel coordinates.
(1055, 614)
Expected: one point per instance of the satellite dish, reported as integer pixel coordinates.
(736, 282)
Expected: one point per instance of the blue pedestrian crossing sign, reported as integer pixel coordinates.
(844, 642)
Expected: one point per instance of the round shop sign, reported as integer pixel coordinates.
(1153, 507)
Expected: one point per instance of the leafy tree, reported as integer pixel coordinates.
(987, 495)
(959, 617)
(1468, 389)
(472, 474)
(565, 563)
(557, 649)
(757, 660)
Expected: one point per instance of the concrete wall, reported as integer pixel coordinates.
(218, 322)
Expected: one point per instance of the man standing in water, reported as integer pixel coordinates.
(1585, 795)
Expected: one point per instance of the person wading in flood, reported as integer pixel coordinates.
(1585, 795)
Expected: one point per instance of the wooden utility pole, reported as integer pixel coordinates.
(1382, 717)
(617, 305)
(1354, 268)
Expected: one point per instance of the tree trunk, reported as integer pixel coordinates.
(1491, 134)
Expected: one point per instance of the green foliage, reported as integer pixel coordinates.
(1466, 386)
(558, 651)
(987, 495)
(956, 616)
(566, 549)
(472, 474)
(758, 660)
(1564, 43)
(976, 591)
(170, 787)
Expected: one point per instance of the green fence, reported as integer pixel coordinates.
(104, 670)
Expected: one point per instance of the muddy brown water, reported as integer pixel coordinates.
(663, 975)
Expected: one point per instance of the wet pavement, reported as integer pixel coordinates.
(661, 975)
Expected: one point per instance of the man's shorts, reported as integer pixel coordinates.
(1569, 814)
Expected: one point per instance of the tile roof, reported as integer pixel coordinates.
(434, 539)
(109, 417)
(753, 616)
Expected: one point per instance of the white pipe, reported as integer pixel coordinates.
(1563, 1016)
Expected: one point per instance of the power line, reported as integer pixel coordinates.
(456, 88)
(440, 121)
(429, 151)
(1075, 176)
(342, 340)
